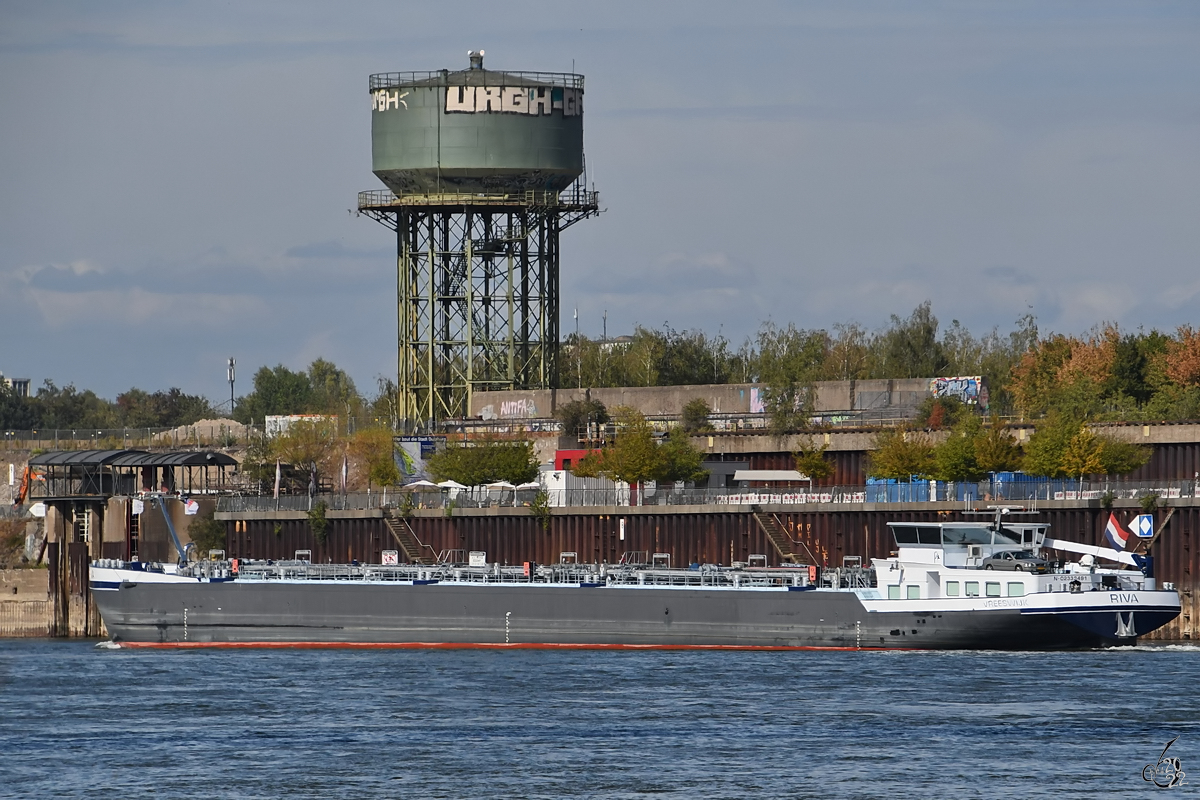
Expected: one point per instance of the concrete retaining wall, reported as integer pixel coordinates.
(728, 398)
(25, 608)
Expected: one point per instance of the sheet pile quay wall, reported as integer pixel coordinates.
(689, 535)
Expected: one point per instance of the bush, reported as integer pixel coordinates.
(318, 522)
(207, 533)
(483, 461)
(577, 414)
(695, 415)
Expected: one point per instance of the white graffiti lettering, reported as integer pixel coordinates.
(518, 408)
(535, 101)
(382, 100)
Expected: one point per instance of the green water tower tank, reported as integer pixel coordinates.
(476, 130)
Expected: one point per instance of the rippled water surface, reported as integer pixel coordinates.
(77, 720)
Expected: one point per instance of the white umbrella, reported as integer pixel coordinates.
(501, 485)
(419, 486)
(530, 485)
(451, 485)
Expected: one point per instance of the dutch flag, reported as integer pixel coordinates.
(1116, 535)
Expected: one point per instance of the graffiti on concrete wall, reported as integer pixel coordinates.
(510, 409)
(966, 389)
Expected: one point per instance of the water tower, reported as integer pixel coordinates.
(484, 170)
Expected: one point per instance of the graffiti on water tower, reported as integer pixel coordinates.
(535, 101)
(966, 389)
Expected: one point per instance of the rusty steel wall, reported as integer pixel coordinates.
(1175, 461)
(849, 466)
(347, 540)
(704, 537)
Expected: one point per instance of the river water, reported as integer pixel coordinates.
(77, 721)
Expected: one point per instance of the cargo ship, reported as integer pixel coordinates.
(951, 585)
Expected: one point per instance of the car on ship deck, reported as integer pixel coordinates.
(1016, 561)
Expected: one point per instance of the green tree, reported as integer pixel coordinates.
(276, 391)
(956, 459)
(17, 413)
(577, 415)
(900, 454)
(1121, 458)
(695, 415)
(634, 457)
(996, 450)
(811, 461)
(1035, 379)
(690, 358)
(681, 461)
(318, 522)
(207, 532)
(172, 408)
(483, 461)
(70, 408)
(1049, 443)
(849, 353)
(788, 363)
(909, 348)
(332, 390)
(1131, 366)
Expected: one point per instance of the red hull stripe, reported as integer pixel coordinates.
(484, 646)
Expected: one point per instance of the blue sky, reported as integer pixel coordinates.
(175, 177)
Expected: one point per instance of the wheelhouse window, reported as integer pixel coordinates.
(1016, 589)
(951, 588)
(993, 589)
(972, 588)
(893, 593)
(914, 592)
(963, 534)
(929, 534)
(905, 534)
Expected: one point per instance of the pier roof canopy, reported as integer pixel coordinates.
(80, 458)
(200, 458)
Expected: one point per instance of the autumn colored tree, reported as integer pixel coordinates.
(374, 451)
(1035, 379)
(312, 445)
(901, 454)
(1183, 357)
(1081, 456)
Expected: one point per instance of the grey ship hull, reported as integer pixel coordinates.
(449, 614)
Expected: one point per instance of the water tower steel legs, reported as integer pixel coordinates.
(477, 306)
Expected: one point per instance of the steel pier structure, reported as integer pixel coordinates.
(484, 170)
